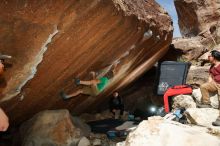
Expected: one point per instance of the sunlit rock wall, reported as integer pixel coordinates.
(200, 27)
(196, 16)
(54, 41)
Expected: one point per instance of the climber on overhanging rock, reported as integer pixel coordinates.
(92, 87)
(4, 122)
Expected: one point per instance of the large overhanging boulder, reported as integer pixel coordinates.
(54, 41)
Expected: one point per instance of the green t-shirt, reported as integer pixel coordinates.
(103, 82)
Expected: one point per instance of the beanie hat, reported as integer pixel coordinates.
(215, 54)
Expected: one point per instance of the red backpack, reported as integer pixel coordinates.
(175, 90)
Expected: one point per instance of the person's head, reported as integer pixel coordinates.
(214, 56)
(115, 94)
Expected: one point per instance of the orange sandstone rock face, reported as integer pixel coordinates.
(54, 41)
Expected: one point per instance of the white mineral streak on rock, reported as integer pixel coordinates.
(34, 64)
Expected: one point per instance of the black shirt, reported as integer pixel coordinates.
(116, 103)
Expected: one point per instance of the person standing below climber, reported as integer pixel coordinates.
(116, 105)
(213, 84)
(4, 121)
(91, 87)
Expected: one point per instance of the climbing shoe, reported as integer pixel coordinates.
(77, 81)
(216, 123)
(203, 105)
(63, 95)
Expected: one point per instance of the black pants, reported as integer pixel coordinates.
(119, 107)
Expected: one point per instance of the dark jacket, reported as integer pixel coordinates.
(116, 103)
